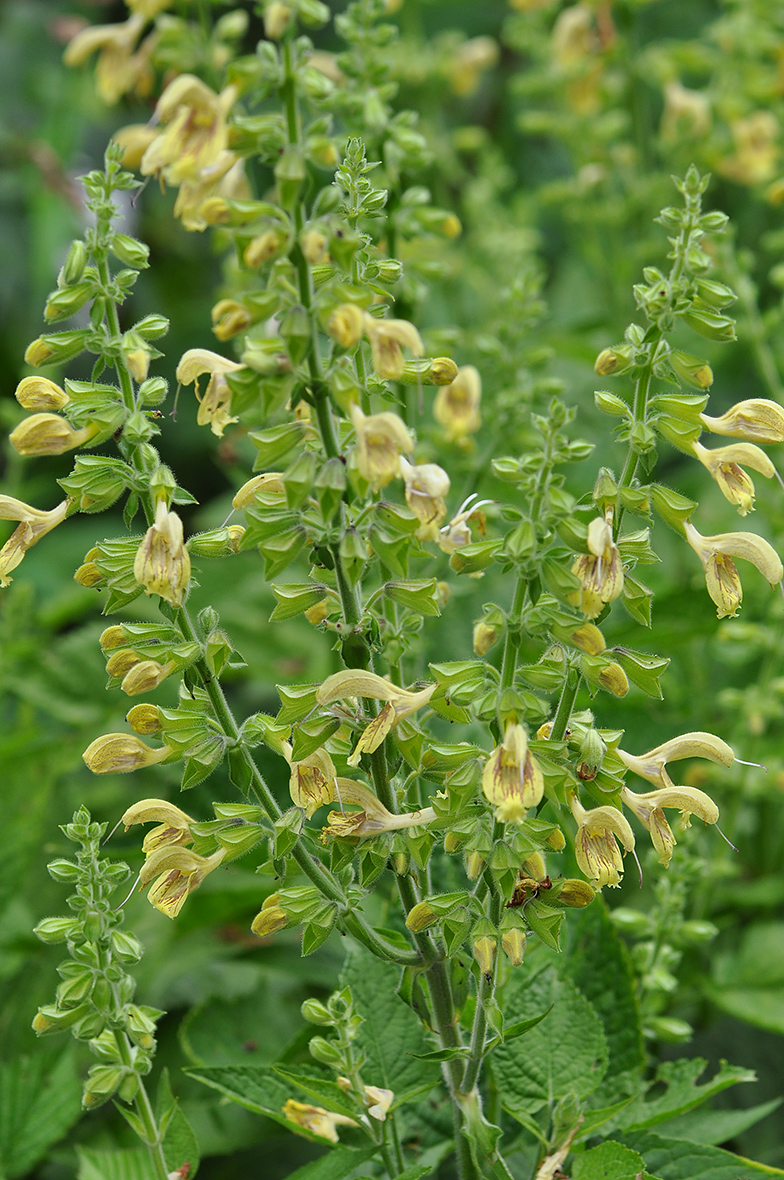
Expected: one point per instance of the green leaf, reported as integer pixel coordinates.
(36, 1109)
(317, 1085)
(457, 1053)
(682, 1093)
(257, 1088)
(608, 1161)
(133, 1164)
(717, 1126)
(566, 1052)
(391, 1033)
(335, 1165)
(761, 1006)
(523, 1026)
(678, 1159)
(598, 963)
(179, 1143)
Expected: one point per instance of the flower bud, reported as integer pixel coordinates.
(277, 17)
(118, 753)
(513, 945)
(576, 893)
(261, 248)
(324, 1051)
(88, 575)
(38, 394)
(346, 325)
(484, 944)
(691, 369)
(145, 676)
(315, 1012)
(420, 917)
(130, 251)
(66, 301)
(269, 921)
(48, 434)
(121, 662)
(474, 864)
(54, 930)
(443, 370)
(75, 262)
(613, 360)
(484, 637)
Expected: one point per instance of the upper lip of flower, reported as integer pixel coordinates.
(695, 744)
(747, 546)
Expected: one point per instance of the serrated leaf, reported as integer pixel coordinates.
(523, 1026)
(565, 1052)
(683, 1092)
(335, 1165)
(133, 1164)
(608, 1161)
(678, 1159)
(318, 1086)
(391, 1033)
(179, 1142)
(456, 1053)
(36, 1109)
(257, 1088)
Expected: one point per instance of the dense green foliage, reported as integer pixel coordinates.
(468, 596)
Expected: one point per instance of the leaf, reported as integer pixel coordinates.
(133, 1164)
(717, 1126)
(179, 1143)
(317, 1086)
(682, 1093)
(761, 1006)
(678, 1159)
(391, 1034)
(257, 1088)
(456, 1053)
(598, 963)
(566, 1052)
(608, 1161)
(36, 1109)
(334, 1165)
(523, 1026)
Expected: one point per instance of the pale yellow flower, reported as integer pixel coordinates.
(316, 1119)
(387, 340)
(162, 563)
(312, 781)
(173, 823)
(173, 873)
(195, 132)
(33, 524)
(457, 533)
(721, 575)
(649, 810)
(48, 434)
(400, 703)
(372, 818)
(724, 465)
(222, 180)
(134, 140)
(595, 845)
(119, 753)
(512, 778)
(119, 69)
(695, 744)
(346, 324)
(469, 61)
(268, 484)
(378, 1101)
(756, 420)
(425, 488)
(456, 407)
(600, 570)
(215, 403)
(39, 394)
(757, 152)
(686, 112)
(381, 440)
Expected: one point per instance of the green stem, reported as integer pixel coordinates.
(153, 1137)
(113, 321)
(565, 705)
(512, 640)
(485, 994)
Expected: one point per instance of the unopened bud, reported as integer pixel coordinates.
(112, 637)
(575, 893)
(513, 944)
(484, 638)
(613, 360)
(315, 1012)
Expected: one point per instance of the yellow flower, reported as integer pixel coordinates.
(381, 439)
(144, 718)
(312, 781)
(400, 702)
(173, 823)
(756, 420)
(145, 676)
(229, 317)
(346, 324)
(119, 69)
(456, 534)
(595, 846)
(269, 920)
(215, 405)
(198, 201)
(456, 407)
(378, 1101)
(600, 570)
(696, 744)
(315, 1118)
(721, 575)
(425, 488)
(270, 484)
(574, 37)
(648, 809)
(48, 434)
(386, 338)
(483, 638)
(687, 113)
(134, 140)
(33, 524)
(196, 133)
(372, 818)
(724, 465)
(756, 152)
(119, 753)
(512, 778)
(469, 60)
(39, 394)
(175, 872)
(162, 563)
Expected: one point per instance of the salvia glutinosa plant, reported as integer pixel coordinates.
(299, 164)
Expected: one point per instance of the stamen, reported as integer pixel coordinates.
(732, 846)
(125, 899)
(228, 518)
(759, 765)
(340, 801)
(639, 866)
(114, 829)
